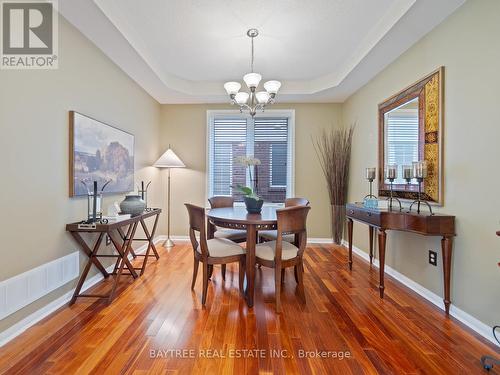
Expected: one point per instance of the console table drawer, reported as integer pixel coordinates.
(365, 215)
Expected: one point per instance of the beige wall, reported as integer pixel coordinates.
(34, 109)
(185, 127)
(467, 45)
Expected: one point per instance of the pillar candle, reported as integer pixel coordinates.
(391, 172)
(370, 173)
(420, 169)
(407, 172)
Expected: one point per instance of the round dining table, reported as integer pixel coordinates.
(239, 218)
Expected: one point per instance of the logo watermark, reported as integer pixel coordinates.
(248, 353)
(29, 35)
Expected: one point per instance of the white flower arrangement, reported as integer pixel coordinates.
(248, 162)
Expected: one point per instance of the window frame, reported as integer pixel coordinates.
(235, 114)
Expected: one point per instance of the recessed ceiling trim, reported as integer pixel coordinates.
(101, 22)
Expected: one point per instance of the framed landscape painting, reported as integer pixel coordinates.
(99, 152)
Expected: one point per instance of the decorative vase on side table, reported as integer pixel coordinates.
(133, 205)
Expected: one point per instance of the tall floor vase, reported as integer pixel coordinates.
(338, 222)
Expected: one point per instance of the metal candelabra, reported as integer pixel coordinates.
(370, 180)
(391, 198)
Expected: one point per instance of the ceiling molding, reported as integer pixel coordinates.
(403, 24)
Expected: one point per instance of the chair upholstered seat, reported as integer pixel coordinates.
(231, 234)
(222, 247)
(272, 235)
(267, 250)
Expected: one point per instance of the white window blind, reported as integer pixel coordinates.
(271, 140)
(278, 165)
(401, 146)
(267, 138)
(228, 142)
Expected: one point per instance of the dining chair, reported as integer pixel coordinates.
(231, 234)
(271, 235)
(280, 254)
(213, 251)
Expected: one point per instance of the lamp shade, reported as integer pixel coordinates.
(262, 97)
(272, 87)
(169, 160)
(232, 88)
(241, 97)
(252, 79)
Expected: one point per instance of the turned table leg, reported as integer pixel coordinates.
(349, 236)
(370, 231)
(250, 263)
(381, 250)
(446, 248)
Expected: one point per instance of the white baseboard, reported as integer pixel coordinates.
(464, 317)
(21, 326)
(319, 240)
(178, 238)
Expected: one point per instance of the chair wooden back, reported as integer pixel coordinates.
(292, 220)
(221, 202)
(197, 224)
(291, 202)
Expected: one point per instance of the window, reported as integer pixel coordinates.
(268, 138)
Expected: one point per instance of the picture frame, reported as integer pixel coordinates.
(100, 152)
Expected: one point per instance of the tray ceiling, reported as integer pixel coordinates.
(182, 51)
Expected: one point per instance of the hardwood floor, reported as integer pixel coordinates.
(158, 313)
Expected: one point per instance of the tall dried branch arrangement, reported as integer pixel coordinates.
(333, 148)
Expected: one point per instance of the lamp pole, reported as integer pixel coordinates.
(168, 242)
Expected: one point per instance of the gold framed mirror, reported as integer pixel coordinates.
(411, 129)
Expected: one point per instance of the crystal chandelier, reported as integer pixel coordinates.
(256, 100)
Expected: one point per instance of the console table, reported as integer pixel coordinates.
(121, 240)
(424, 224)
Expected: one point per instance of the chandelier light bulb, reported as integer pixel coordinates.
(252, 80)
(262, 97)
(272, 87)
(232, 88)
(241, 97)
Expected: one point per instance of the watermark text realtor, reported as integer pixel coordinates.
(29, 35)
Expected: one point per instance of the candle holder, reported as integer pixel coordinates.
(407, 175)
(142, 190)
(420, 173)
(391, 173)
(370, 176)
(94, 204)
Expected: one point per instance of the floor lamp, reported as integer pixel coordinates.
(169, 160)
